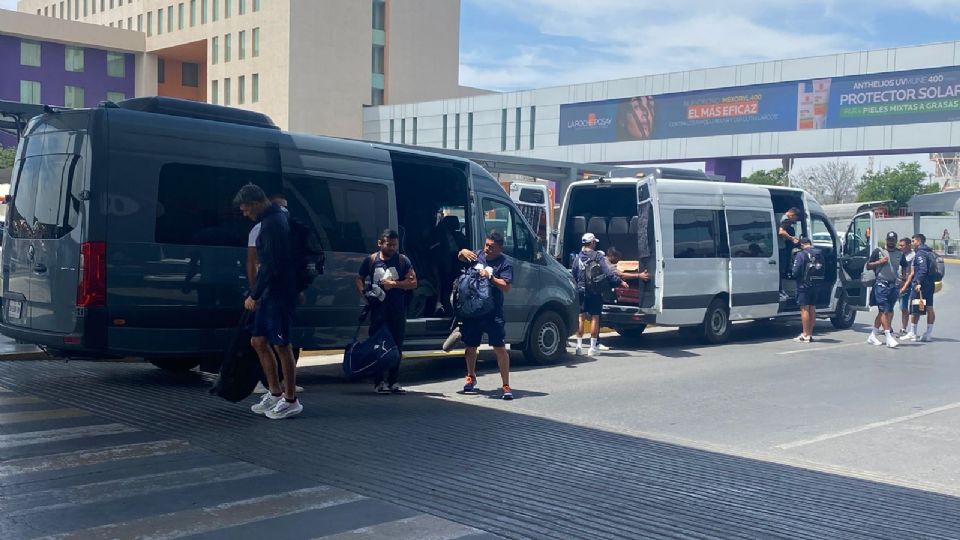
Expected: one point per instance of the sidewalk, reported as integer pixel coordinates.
(11, 350)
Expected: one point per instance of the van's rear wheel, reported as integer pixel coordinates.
(175, 364)
(845, 315)
(547, 341)
(716, 323)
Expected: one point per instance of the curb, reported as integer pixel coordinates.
(23, 355)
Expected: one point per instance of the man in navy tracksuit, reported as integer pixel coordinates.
(923, 287)
(273, 299)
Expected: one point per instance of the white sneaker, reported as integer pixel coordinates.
(892, 343)
(903, 332)
(578, 351)
(395, 388)
(602, 347)
(592, 351)
(260, 388)
(382, 388)
(926, 338)
(910, 337)
(803, 339)
(267, 402)
(284, 409)
(874, 340)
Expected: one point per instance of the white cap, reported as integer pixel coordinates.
(588, 238)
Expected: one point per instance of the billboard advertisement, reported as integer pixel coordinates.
(929, 95)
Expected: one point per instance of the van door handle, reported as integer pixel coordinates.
(40, 269)
(771, 262)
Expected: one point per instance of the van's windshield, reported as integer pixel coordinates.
(46, 187)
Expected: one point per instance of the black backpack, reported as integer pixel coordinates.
(306, 252)
(240, 370)
(815, 269)
(935, 266)
(591, 271)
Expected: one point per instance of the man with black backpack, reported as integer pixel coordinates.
(273, 300)
(809, 269)
(926, 273)
(593, 276)
(383, 281)
(482, 311)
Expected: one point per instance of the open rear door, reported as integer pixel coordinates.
(856, 246)
(649, 244)
(533, 201)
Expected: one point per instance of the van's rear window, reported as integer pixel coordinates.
(46, 204)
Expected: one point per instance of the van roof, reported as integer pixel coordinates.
(195, 109)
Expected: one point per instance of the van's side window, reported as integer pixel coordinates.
(518, 241)
(751, 233)
(698, 234)
(195, 204)
(346, 215)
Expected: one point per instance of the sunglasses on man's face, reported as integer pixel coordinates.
(489, 245)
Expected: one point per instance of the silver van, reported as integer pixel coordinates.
(122, 241)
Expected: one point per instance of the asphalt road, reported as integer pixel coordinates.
(656, 438)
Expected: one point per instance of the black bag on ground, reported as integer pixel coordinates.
(240, 370)
(375, 355)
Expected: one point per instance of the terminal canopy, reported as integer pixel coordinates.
(935, 203)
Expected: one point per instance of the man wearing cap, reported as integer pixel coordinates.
(806, 287)
(592, 274)
(885, 263)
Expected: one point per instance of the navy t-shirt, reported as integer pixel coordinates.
(395, 268)
(502, 269)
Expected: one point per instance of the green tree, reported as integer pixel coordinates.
(6, 157)
(895, 183)
(774, 177)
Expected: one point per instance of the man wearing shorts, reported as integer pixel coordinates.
(885, 262)
(906, 279)
(591, 300)
(922, 288)
(273, 300)
(498, 268)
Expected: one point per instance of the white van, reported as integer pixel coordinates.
(711, 249)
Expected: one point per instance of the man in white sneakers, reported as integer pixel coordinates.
(923, 288)
(885, 263)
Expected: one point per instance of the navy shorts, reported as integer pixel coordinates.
(885, 296)
(472, 331)
(273, 319)
(591, 304)
(806, 296)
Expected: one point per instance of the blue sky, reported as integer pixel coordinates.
(518, 44)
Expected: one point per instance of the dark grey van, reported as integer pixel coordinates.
(122, 241)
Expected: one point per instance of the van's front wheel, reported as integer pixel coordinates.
(547, 340)
(175, 364)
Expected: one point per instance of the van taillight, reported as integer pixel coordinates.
(92, 287)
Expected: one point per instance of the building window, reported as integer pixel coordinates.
(379, 15)
(242, 38)
(29, 53)
(696, 234)
(193, 13)
(226, 91)
(456, 131)
(203, 12)
(63, 13)
(129, 23)
(516, 140)
(170, 19)
(226, 47)
(241, 89)
(103, 6)
(30, 92)
(226, 8)
(161, 70)
(116, 96)
(214, 50)
(159, 21)
(180, 15)
(111, 4)
(85, 9)
(190, 74)
(215, 12)
(256, 5)
(149, 23)
(414, 130)
(255, 88)
(391, 130)
(403, 131)
(140, 23)
(503, 130)
(376, 96)
(73, 97)
(116, 64)
(533, 125)
(46, 11)
(256, 42)
(241, 7)
(214, 91)
(444, 131)
(378, 59)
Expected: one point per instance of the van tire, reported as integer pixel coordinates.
(632, 332)
(716, 323)
(177, 365)
(547, 339)
(845, 315)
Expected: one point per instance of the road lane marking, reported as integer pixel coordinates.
(414, 528)
(19, 400)
(32, 416)
(814, 348)
(867, 427)
(63, 434)
(90, 457)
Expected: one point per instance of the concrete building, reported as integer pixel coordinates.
(310, 65)
(888, 101)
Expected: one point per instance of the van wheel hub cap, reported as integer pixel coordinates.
(548, 339)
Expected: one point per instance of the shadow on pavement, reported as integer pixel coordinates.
(512, 474)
